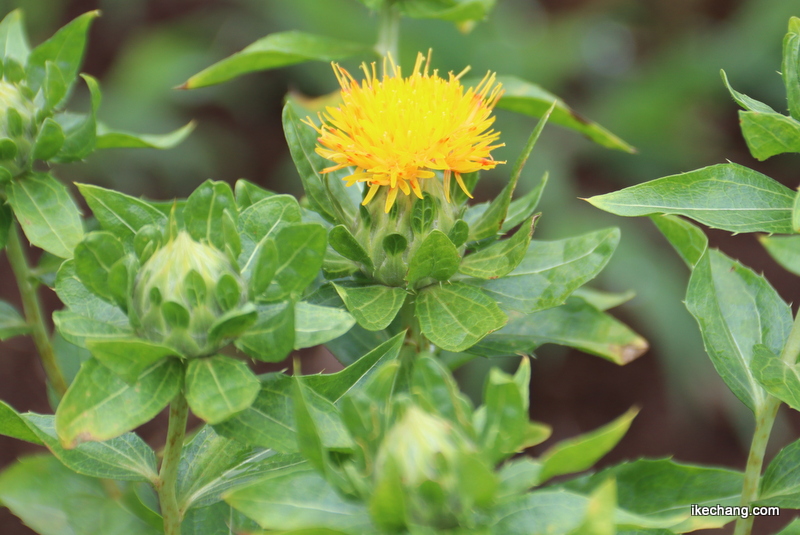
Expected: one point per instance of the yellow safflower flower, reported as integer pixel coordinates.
(396, 131)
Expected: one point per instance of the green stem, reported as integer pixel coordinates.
(765, 418)
(33, 310)
(388, 30)
(168, 477)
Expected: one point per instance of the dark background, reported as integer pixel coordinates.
(645, 69)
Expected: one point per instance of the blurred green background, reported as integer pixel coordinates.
(648, 70)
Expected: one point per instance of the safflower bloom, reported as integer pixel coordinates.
(397, 131)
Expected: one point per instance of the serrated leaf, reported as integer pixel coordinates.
(100, 406)
(72, 503)
(500, 258)
(120, 214)
(768, 134)
(125, 458)
(436, 258)
(374, 306)
(273, 51)
(736, 309)
(65, 49)
(117, 139)
(551, 271)
(688, 240)
(575, 324)
(785, 250)
(76, 328)
(743, 100)
(47, 213)
(269, 421)
(526, 98)
(456, 316)
(80, 300)
(726, 196)
(581, 452)
(218, 387)
(315, 325)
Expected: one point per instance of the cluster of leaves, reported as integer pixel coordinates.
(746, 327)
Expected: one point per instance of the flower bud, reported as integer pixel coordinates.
(181, 291)
(17, 128)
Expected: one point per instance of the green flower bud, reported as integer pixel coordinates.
(17, 128)
(429, 455)
(181, 291)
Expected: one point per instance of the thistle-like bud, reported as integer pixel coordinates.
(182, 291)
(17, 128)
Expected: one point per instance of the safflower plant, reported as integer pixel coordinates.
(387, 263)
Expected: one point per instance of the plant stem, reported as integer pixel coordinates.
(167, 478)
(33, 310)
(388, 30)
(765, 418)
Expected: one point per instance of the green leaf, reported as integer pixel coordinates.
(65, 49)
(14, 425)
(95, 257)
(726, 196)
(539, 513)
(11, 322)
(581, 452)
(326, 193)
(271, 337)
(785, 250)
(791, 529)
(120, 214)
(217, 519)
(500, 258)
(530, 99)
(299, 499)
(517, 476)
(204, 212)
(125, 458)
(301, 251)
(269, 421)
(6, 218)
(344, 243)
(374, 306)
(664, 490)
(768, 134)
(790, 67)
(315, 325)
(503, 417)
(49, 140)
(273, 51)
(53, 500)
(13, 41)
(47, 213)
(743, 100)
(781, 379)
(736, 309)
(521, 209)
(688, 240)
(333, 386)
(435, 258)
(99, 405)
(551, 271)
(456, 316)
(603, 300)
(54, 86)
(212, 464)
(81, 301)
(575, 324)
(458, 11)
(127, 356)
(600, 512)
(490, 222)
(116, 139)
(80, 130)
(394, 244)
(218, 387)
(780, 484)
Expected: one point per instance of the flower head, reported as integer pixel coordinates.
(397, 131)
